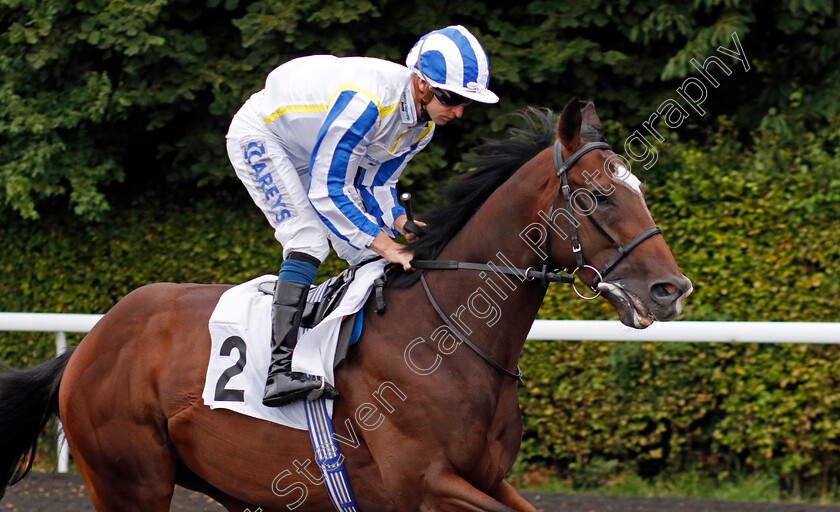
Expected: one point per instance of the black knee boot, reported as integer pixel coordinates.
(284, 386)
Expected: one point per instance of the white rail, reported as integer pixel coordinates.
(47, 322)
(570, 330)
(685, 331)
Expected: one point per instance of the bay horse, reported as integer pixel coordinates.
(424, 423)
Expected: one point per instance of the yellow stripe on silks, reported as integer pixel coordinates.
(294, 109)
(298, 109)
(390, 109)
(394, 147)
(421, 137)
(429, 126)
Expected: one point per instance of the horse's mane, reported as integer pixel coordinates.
(493, 163)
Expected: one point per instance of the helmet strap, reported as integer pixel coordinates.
(424, 114)
(424, 97)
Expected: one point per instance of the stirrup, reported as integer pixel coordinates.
(287, 396)
(316, 393)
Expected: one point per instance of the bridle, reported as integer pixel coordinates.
(560, 168)
(545, 275)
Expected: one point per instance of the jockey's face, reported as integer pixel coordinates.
(438, 112)
(441, 114)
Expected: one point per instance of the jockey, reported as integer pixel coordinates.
(320, 150)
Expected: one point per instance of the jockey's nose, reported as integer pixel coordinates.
(459, 111)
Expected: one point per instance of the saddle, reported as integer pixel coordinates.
(335, 290)
(319, 308)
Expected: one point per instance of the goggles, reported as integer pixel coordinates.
(450, 99)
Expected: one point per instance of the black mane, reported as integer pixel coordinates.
(493, 163)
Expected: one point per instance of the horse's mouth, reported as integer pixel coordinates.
(631, 310)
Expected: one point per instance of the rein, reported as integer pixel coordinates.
(528, 274)
(463, 338)
(545, 275)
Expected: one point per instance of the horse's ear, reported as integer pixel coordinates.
(590, 129)
(568, 130)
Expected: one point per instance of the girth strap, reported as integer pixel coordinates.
(328, 456)
(463, 338)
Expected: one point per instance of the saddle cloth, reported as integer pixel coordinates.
(240, 333)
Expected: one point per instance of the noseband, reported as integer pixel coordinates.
(561, 167)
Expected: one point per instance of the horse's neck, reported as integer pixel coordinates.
(502, 307)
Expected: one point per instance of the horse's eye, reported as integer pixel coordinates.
(601, 197)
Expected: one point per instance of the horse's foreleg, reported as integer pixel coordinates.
(452, 493)
(508, 495)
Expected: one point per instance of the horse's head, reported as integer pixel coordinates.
(603, 228)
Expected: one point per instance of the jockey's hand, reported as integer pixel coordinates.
(391, 251)
(411, 236)
(399, 225)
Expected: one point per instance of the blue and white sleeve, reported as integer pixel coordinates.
(382, 193)
(350, 124)
(385, 195)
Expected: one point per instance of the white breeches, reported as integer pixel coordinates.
(280, 192)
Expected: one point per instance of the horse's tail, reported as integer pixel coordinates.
(28, 399)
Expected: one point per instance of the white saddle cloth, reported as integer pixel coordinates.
(240, 333)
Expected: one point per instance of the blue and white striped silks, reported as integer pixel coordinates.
(331, 117)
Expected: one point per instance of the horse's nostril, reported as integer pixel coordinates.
(663, 292)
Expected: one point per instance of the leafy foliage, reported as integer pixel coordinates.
(100, 99)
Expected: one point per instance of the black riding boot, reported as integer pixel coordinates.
(284, 386)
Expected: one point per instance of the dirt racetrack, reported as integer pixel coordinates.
(52, 492)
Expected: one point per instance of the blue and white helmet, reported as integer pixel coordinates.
(452, 59)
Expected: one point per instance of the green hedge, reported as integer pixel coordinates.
(64, 265)
(97, 92)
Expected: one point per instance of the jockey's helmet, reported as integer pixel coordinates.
(453, 60)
